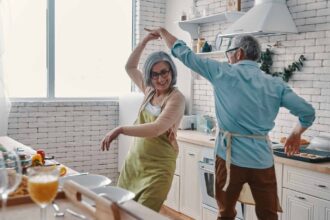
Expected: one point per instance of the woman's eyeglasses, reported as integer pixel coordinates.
(231, 50)
(163, 74)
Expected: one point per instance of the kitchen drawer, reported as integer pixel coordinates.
(308, 182)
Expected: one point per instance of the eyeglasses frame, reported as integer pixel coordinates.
(162, 74)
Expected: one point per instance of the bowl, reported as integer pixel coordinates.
(321, 143)
(88, 180)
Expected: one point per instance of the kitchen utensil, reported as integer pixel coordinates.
(320, 143)
(306, 155)
(57, 213)
(75, 214)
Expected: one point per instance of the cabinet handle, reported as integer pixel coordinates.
(321, 186)
(300, 197)
(191, 154)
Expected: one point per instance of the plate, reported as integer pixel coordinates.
(89, 180)
(113, 193)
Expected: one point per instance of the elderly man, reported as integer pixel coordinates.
(247, 102)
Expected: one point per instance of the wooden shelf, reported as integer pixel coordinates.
(191, 26)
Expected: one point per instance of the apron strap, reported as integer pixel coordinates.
(228, 136)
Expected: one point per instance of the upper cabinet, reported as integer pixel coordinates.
(191, 26)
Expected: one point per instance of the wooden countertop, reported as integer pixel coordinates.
(202, 139)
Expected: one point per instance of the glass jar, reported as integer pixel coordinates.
(200, 44)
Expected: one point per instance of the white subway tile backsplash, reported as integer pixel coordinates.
(71, 131)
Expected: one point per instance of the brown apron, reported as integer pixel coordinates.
(246, 194)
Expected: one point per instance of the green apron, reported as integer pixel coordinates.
(149, 167)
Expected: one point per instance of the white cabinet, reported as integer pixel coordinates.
(305, 194)
(184, 195)
(250, 213)
(298, 206)
(190, 198)
(209, 214)
(173, 197)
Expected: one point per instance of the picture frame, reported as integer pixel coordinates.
(233, 5)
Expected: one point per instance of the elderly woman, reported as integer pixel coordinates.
(149, 166)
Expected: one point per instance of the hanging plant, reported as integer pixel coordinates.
(266, 61)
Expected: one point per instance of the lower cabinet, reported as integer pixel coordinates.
(190, 190)
(305, 195)
(304, 207)
(184, 195)
(208, 213)
(173, 197)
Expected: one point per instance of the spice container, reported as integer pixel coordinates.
(200, 44)
(183, 16)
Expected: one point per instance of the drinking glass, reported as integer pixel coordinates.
(42, 186)
(13, 176)
(3, 175)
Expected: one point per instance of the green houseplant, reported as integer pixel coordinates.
(266, 61)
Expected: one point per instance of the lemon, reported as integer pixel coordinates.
(62, 171)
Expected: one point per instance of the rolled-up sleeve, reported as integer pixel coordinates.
(207, 68)
(298, 107)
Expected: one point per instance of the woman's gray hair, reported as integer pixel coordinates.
(249, 45)
(154, 58)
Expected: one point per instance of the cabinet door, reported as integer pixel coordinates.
(173, 197)
(323, 209)
(298, 206)
(250, 213)
(208, 214)
(190, 198)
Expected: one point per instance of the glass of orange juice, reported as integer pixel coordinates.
(42, 186)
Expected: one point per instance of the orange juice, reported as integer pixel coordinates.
(43, 189)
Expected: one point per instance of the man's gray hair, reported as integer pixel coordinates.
(249, 45)
(154, 58)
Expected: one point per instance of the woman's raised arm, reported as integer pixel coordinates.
(133, 61)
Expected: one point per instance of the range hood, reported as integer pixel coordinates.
(267, 17)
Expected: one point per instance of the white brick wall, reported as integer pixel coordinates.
(312, 18)
(71, 131)
(149, 14)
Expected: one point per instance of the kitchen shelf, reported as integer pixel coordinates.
(191, 26)
(219, 54)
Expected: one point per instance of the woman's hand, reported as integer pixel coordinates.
(149, 37)
(172, 138)
(292, 144)
(109, 137)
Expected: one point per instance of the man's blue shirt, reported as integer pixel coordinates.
(247, 101)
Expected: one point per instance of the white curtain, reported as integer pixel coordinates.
(4, 100)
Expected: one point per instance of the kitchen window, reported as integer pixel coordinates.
(68, 48)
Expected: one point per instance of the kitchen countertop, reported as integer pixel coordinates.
(202, 139)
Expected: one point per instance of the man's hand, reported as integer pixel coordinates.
(292, 144)
(113, 134)
(168, 38)
(149, 37)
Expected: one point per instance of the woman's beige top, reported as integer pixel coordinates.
(173, 106)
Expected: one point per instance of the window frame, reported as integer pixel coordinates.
(50, 59)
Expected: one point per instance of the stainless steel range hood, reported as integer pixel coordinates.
(267, 17)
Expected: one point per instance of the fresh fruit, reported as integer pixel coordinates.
(37, 160)
(63, 170)
(43, 154)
